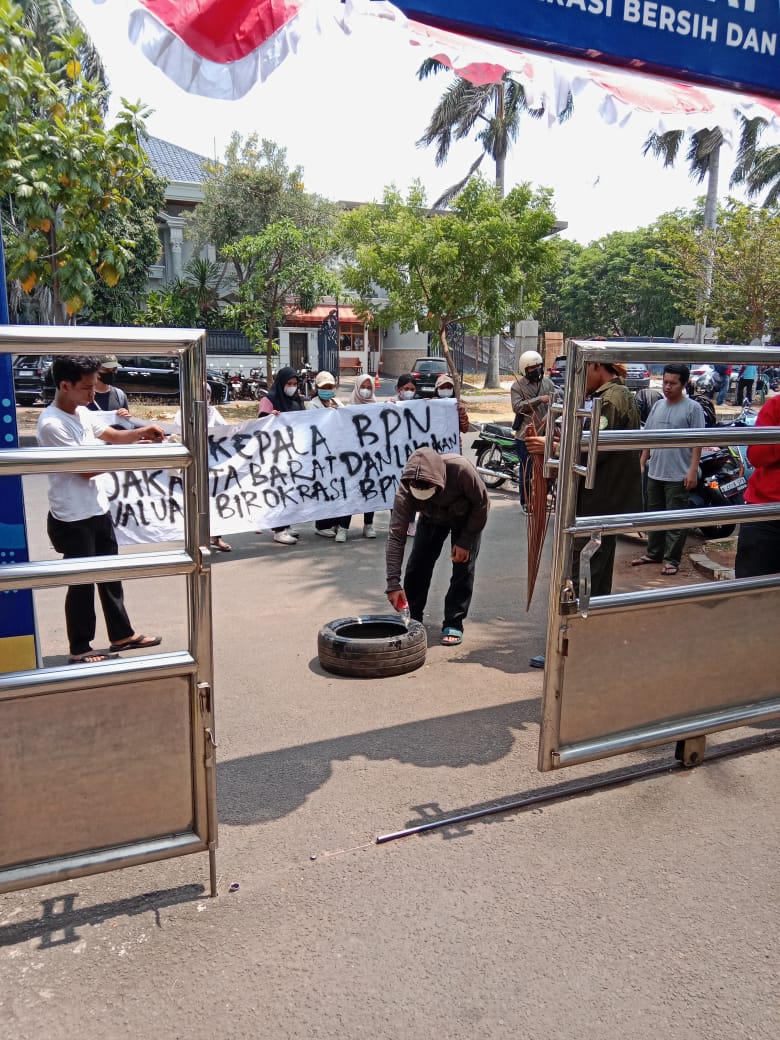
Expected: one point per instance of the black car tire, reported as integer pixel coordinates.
(490, 458)
(372, 646)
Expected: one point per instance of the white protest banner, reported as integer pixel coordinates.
(289, 468)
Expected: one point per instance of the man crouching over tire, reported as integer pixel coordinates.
(451, 500)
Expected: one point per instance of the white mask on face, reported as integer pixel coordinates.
(406, 395)
(445, 391)
(423, 493)
(291, 391)
(364, 392)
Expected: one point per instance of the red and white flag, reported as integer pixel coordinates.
(221, 48)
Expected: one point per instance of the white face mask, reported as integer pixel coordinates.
(406, 395)
(364, 392)
(423, 493)
(445, 391)
(291, 391)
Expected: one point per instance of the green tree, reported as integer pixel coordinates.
(250, 189)
(746, 287)
(136, 230)
(492, 111)
(473, 264)
(621, 285)
(551, 314)
(191, 302)
(62, 173)
(288, 269)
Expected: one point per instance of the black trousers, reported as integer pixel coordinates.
(758, 549)
(426, 548)
(91, 537)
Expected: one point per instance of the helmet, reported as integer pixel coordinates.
(529, 359)
(705, 385)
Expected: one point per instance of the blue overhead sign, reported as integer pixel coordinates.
(727, 43)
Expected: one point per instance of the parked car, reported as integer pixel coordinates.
(156, 377)
(29, 371)
(426, 371)
(558, 370)
(638, 376)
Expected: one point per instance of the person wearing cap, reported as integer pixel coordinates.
(335, 527)
(618, 484)
(443, 390)
(453, 503)
(109, 398)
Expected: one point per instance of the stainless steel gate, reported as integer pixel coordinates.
(107, 765)
(634, 670)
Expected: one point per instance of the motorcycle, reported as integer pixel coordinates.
(497, 461)
(721, 483)
(496, 451)
(306, 386)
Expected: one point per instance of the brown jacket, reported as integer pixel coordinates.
(461, 503)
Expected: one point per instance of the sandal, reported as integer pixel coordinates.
(137, 643)
(669, 568)
(451, 636)
(643, 560)
(220, 545)
(91, 657)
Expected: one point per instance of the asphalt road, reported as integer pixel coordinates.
(644, 910)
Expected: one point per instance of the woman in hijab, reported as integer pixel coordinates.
(363, 391)
(283, 396)
(406, 388)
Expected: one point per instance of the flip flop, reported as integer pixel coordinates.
(139, 643)
(91, 657)
(221, 546)
(669, 568)
(643, 560)
(451, 636)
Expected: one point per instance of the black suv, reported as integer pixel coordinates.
(157, 377)
(29, 371)
(426, 371)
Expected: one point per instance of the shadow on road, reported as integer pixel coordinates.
(264, 787)
(59, 919)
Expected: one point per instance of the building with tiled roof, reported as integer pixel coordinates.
(183, 171)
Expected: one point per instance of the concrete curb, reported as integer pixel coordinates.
(715, 571)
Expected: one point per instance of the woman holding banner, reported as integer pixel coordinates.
(325, 397)
(363, 394)
(284, 396)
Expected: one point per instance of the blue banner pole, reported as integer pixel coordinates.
(18, 637)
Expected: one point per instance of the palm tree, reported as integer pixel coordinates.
(757, 168)
(494, 111)
(49, 18)
(703, 157)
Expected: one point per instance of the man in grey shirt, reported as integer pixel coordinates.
(672, 472)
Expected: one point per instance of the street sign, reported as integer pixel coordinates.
(726, 43)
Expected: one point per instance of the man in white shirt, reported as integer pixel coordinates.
(79, 523)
